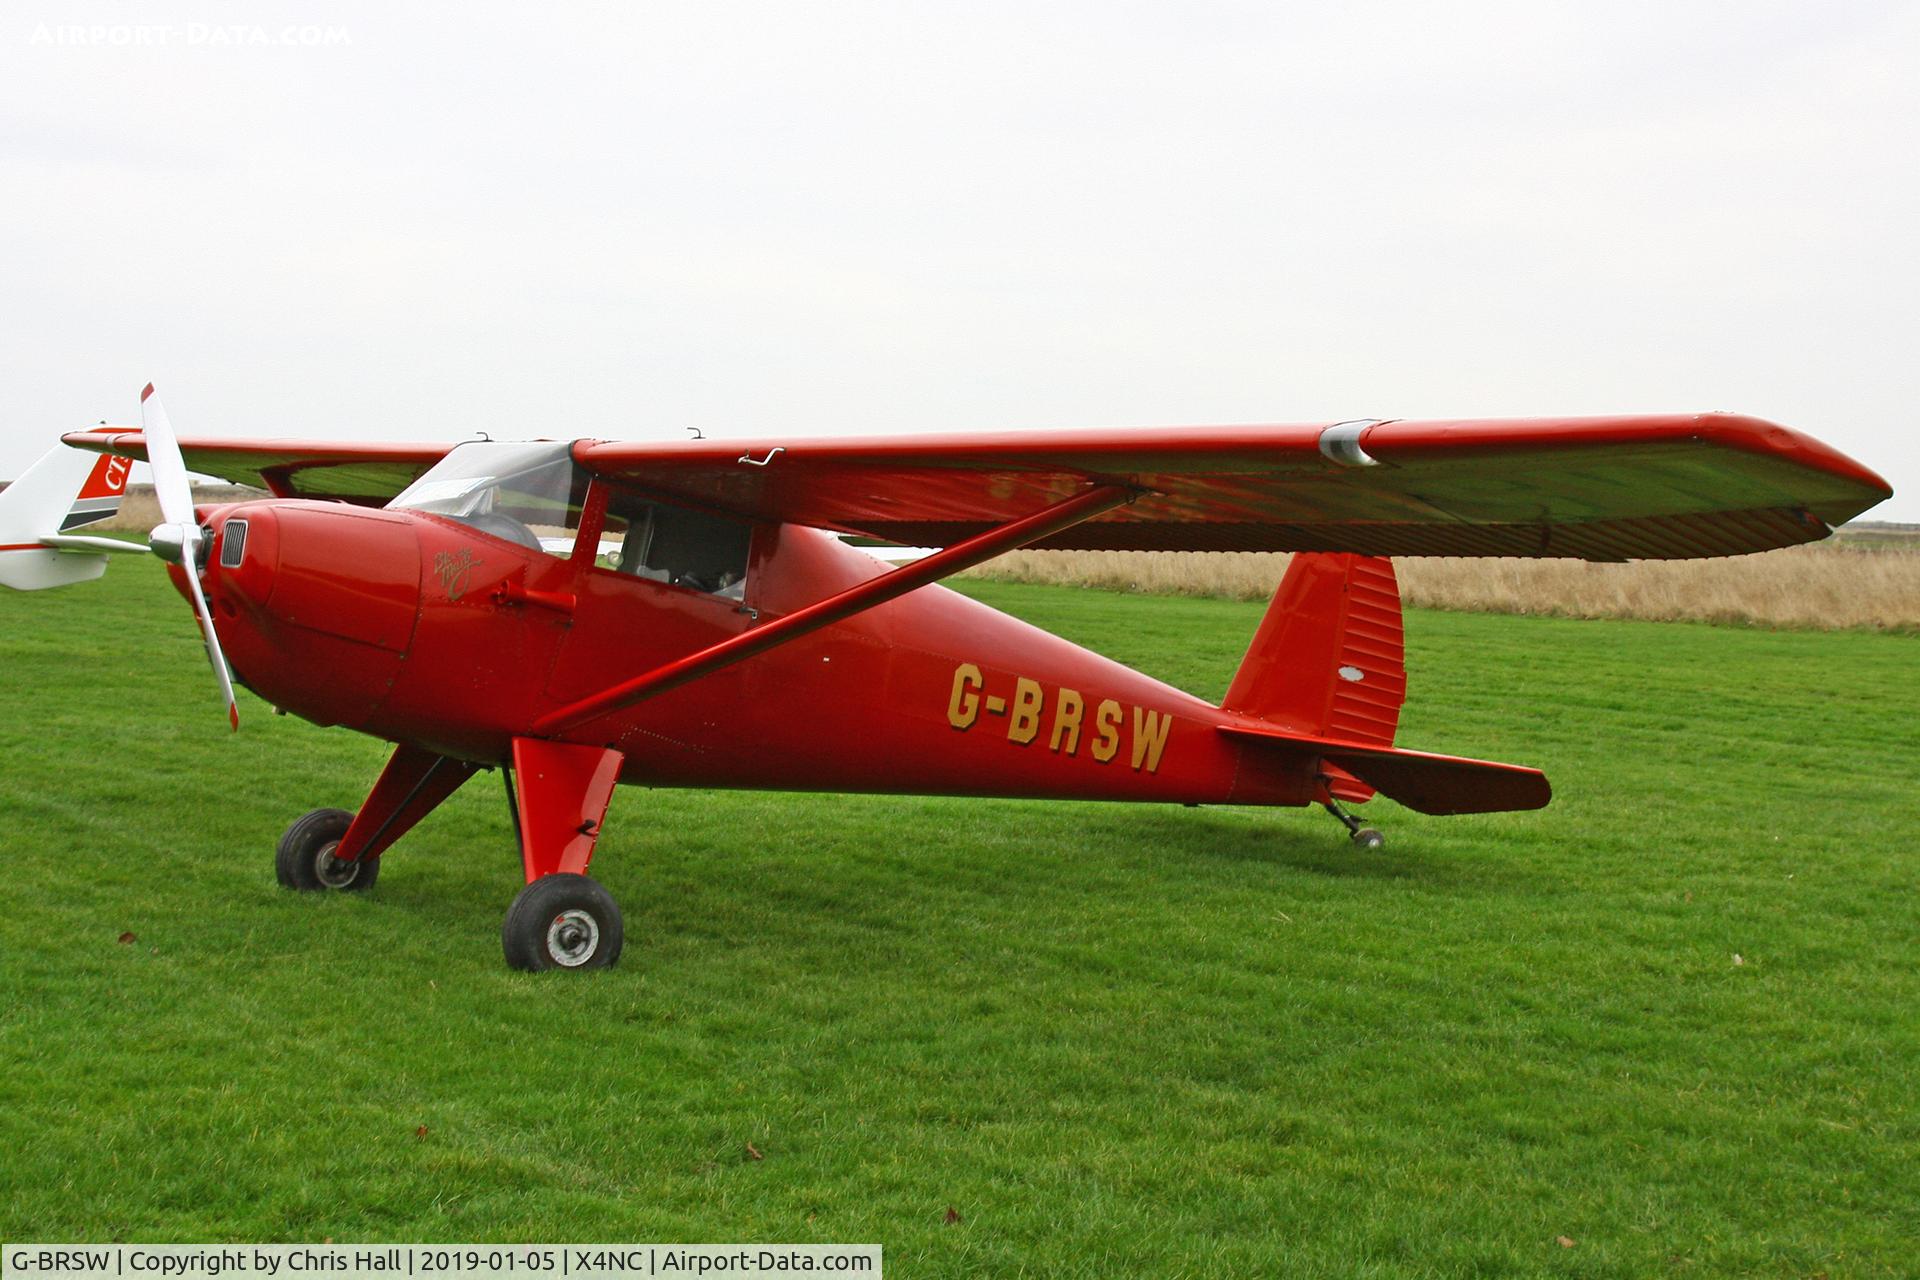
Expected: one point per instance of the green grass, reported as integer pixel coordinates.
(1114, 1039)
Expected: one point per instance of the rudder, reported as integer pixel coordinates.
(1329, 659)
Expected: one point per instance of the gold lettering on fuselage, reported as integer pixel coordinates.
(1066, 721)
(1149, 737)
(1106, 724)
(964, 706)
(1027, 697)
(1063, 714)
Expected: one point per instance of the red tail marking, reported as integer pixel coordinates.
(108, 479)
(146, 393)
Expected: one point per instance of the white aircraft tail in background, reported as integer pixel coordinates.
(66, 490)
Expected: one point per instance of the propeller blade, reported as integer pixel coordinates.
(217, 658)
(170, 483)
(175, 492)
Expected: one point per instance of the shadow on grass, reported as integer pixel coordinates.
(1312, 843)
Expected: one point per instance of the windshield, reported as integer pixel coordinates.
(529, 493)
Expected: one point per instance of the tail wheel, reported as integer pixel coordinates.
(563, 921)
(305, 858)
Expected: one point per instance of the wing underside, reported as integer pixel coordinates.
(1673, 486)
(367, 474)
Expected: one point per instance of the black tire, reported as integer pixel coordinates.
(1368, 838)
(305, 861)
(563, 921)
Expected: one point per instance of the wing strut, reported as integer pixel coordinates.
(856, 599)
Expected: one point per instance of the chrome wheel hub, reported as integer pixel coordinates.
(335, 873)
(572, 938)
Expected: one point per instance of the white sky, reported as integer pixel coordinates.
(814, 218)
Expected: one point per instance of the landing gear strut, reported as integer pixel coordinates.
(1364, 837)
(305, 858)
(335, 849)
(563, 919)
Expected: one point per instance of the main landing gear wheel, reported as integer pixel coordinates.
(305, 858)
(563, 921)
(1368, 838)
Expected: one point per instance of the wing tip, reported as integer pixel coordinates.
(146, 393)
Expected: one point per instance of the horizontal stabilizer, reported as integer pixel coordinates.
(82, 543)
(1423, 782)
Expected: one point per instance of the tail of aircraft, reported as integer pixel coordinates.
(66, 490)
(1327, 675)
(1328, 660)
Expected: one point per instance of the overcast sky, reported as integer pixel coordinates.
(337, 220)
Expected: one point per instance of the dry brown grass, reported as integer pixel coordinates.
(1829, 586)
(139, 511)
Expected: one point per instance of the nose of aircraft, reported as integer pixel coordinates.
(315, 602)
(236, 558)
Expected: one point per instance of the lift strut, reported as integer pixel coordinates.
(856, 599)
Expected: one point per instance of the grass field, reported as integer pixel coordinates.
(1673, 1019)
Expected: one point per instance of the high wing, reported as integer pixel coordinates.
(1648, 487)
(367, 474)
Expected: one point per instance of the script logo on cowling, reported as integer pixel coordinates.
(454, 568)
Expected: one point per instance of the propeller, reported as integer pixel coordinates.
(178, 539)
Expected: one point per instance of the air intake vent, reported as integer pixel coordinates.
(233, 544)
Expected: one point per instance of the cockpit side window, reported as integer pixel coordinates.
(677, 545)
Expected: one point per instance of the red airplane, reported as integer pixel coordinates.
(686, 613)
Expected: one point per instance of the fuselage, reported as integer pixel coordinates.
(423, 629)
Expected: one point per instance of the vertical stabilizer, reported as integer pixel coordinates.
(1328, 660)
